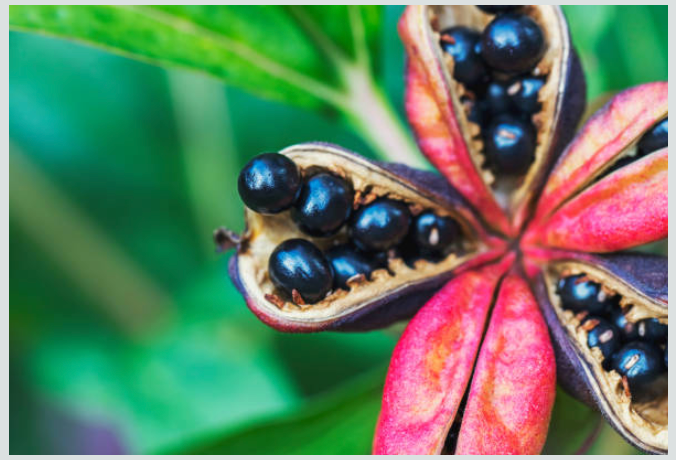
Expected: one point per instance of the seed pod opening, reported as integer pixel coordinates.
(610, 135)
(551, 94)
(392, 280)
(651, 141)
(630, 387)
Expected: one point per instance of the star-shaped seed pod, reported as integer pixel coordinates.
(514, 262)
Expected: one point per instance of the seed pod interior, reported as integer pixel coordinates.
(640, 418)
(369, 181)
(550, 68)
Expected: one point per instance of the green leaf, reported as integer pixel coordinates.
(620, 46)
(211, 368)
(326, 25)
(258, 48)
(312, 57)
(267, 50)
(340, 423)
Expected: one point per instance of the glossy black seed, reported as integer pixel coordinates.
(627, 329)
(299, 265)
(524, 94)
(434, 234)
(348, 262)
(324, 205)
(497, 99)
(641, 362)
(655, 139)
(510, 144)
(578, 294)
(497, 9)
(604, 335)
(269, 183)
(463, 44)
(478, 111)
(651, 330)
(380, 225)
(512, 43)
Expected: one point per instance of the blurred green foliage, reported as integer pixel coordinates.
(125, 333)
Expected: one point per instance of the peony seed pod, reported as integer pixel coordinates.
(390, 293)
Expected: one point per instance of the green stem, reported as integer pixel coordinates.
(371, 114)
(208, 150)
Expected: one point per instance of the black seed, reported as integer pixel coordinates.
(579, 295)
(299, 265)
(380, 225)
(524, 93)
(510, 144)
(497, 9)
(324, 205)
(348, 262)
(651, 330)
(512, 43)
(463, 44)
(627, 329)
(478, 111)
(497, 99)
(604, 335)
(655, 139)
(269, 183)
(641, 362)
(434, 234)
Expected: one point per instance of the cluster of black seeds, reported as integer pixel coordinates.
(321, 205)
(637, 351)
(496, 66)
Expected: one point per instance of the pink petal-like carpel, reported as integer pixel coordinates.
(432, 364)
(514, 384)
(431, 115)
(611, 130)
(626, 209)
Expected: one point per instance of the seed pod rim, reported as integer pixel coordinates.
(562, 97)
(341, 309)
(579, 368)
(623, 120)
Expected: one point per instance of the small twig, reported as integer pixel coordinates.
(225, 239)
(591, 439)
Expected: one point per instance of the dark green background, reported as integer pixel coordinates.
(125, 333)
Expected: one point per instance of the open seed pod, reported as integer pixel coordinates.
(390, 293)
(439, 107)
(635, 287)
(605, 161)
(517, 283)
